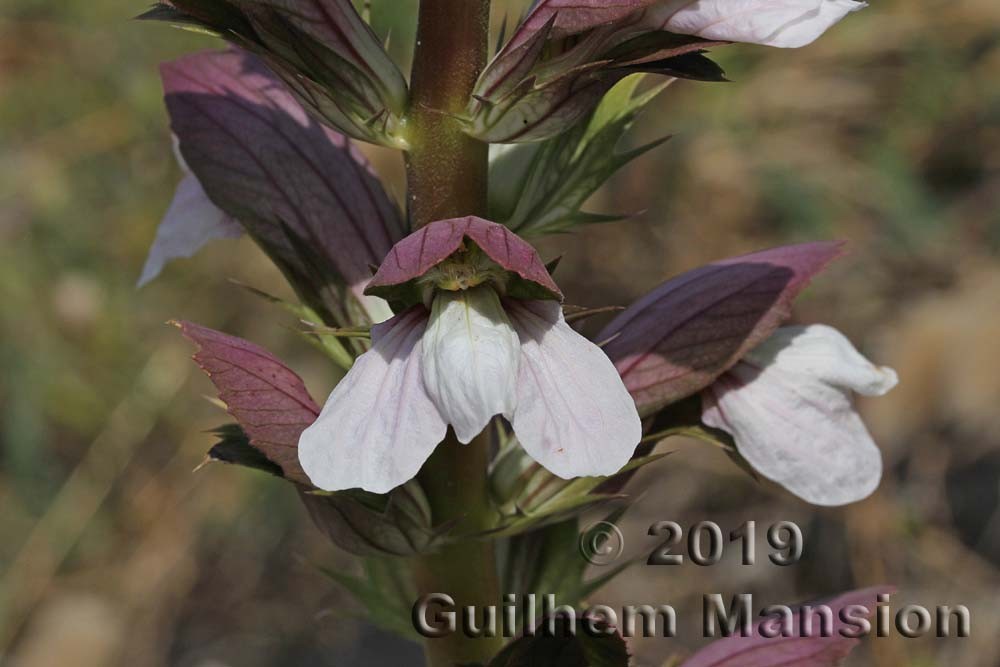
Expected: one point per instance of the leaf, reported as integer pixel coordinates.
(336, 25)
(541, 84)
(330, 346)
(799, 650)
(322, 49)
(302, 191)
(172, 15)
(572, 17)
(569, 646)
(234, 447)
(548, 561)
(537, 109)
(677, 339)
(218, 16)
(367, 524)
(694, 66)
(424, 249)
(682, 418)
(538, 498)
(566, 170)
(512, 66)
(267, 399)
(650, 47)
(385, 595)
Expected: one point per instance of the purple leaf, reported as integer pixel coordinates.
(803, 649)
(681, 336)
(306, 42)
(537, 87)
(573, 16)
(302, 191)
(267, 399)
(421, 251)
(337, 25)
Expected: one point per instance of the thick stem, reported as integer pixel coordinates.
(447, 178)
(446, 169)
(454, 479)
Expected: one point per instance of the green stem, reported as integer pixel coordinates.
(447, 178)
(446, 169)
(454, 479)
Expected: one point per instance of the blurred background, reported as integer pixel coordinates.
(113, 552)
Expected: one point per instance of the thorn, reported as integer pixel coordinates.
(198, 468)
(217, 402)
(606, 342)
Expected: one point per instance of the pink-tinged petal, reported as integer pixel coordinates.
(424, 249)
(297, 187)
(821, 352)
(788, 406)
(471, 357)
(677, 339)
(379, 425)
(191, 222)
(780, 23)
(267, 399)
(571, 17)
(807, 647)
(573, 414)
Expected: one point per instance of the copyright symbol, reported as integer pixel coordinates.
(601, 543)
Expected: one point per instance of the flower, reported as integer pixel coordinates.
(566, 54)
(492, 341)
(788, 406)
(781, 23)
(256, 154)
(191, 222)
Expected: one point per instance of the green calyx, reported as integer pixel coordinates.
(467, 268)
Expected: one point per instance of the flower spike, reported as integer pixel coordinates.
(494, 342)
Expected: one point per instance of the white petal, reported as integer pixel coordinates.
(378, 426)
(574, 415)
(191, 221)
(825, 353)
(788, 406)
(471, 359)
(780, 23)
(377, 309)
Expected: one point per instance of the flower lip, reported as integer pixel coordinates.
(397, 280)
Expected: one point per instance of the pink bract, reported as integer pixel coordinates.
(424, 249)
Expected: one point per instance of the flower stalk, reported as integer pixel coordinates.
(447, 177)
(446, 169)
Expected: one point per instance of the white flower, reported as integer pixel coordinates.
(466, 361)
(191, 221)
(781, 23)
(788, 406)
(471, 357)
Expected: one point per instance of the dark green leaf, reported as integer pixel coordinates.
(384, 591)
(234, 447)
